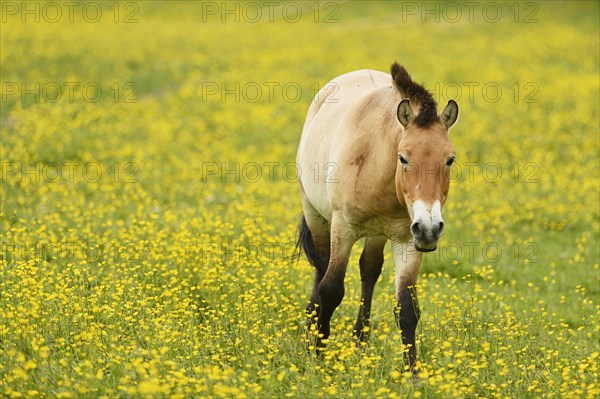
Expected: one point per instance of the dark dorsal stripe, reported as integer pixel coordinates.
(416, 94)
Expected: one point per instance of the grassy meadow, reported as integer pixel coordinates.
(149, 201)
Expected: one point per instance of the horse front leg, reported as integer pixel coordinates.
(371, 261)
(408, 261)
(331, 287)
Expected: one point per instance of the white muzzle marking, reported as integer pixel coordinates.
(427, 224)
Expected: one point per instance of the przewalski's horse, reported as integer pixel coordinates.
(384, 155)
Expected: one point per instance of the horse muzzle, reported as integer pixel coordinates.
(426, 237)
(425, 249)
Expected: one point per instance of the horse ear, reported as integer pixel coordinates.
(405, 112)
(450, 114)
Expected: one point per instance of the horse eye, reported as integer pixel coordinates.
(402, 160)
(450, 162)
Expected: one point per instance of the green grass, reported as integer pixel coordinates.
(191, 291)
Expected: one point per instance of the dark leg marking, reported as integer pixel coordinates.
(407, 316)
(371, 261)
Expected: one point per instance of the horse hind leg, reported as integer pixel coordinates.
(331, 287)
(371, 261)
(315, 242)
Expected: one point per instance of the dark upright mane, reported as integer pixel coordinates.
(417, 94)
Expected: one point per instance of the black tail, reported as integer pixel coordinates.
(305, 243)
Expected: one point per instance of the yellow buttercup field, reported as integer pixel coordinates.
(149, 200)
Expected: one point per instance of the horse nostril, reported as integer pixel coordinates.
(440, 228)
(415, 229)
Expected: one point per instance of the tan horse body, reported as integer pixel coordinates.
(374, 162)
(354, 148)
